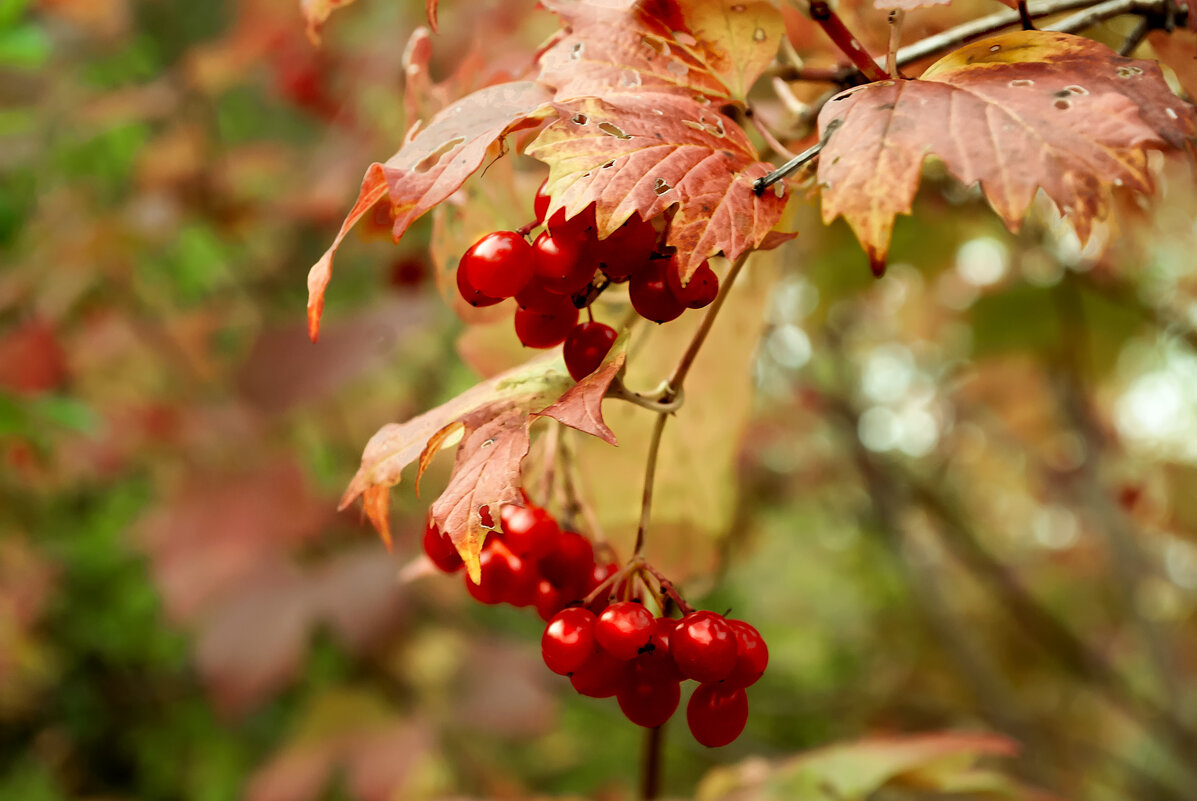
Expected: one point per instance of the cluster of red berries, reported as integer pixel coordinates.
(609, 647)
(565, 268)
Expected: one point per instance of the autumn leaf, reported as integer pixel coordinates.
(581, 405)
(738, 40)
(316, 13)
(433, 162)
(1016, 113)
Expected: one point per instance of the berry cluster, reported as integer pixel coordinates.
(565, 268)
(601, 635)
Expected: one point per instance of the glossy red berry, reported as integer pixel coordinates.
(716, 714)
(701, 289)
(586, 347)
(540, 202)
(752, 656)
(570, 566)
(529, 531)
(581, 227)
(499, 264)
(628, 250)
(568, 640)
(523, 582)
(497, 577)
(470, 293)
(650, 294)
(648, 701)
(598, 575)
(546, 328)
(655, 659)
(535, 296)
(704, 646)
(440, 549)
(601, 676)
(549, 600)
(623, 629)
(561, 265)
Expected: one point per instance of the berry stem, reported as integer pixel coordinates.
(674, 384)
(650, 786)
(650, 475)
(834, 27)
(668, 588)
(575, 494)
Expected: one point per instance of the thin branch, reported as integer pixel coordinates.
(650, 475)
(651, 771)
(896, 18)
(1024, 16)
(1107, 10)
(845, 40)
(687, 361)
(766, 134)
(763, 183)
(1136, 37)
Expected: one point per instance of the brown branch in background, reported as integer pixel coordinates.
(1024, 16)
(845, 40)
(650, 772)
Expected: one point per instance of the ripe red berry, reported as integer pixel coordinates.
(716, 714)
(648, 701)
(623, 629)
(628, 250)
(650, 294)
(470, 293)
(571, 564)
(535, 296)
(704, 646)
(581, 227)
(655, 658)
(561, 265)
(540, 203)
(523, 582)
(699, 292)
(568, 640)
(497, 578)
(529, 531)
(549, 600)
(499, 264)
(752, 656)
(586, 347)
(600, 676)
(598, 575)
(440, 549)
(546, 328)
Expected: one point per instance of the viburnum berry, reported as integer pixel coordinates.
(529, 531)
(623, 629)
(752, 656)
(546, 328)
(586, 347)
(600, 676)
(581, 227)
(540, 202)
(655, 658)
(499, 264)
(498, 574)
(651, 296)
(535, 296)
(628, 250)
(716, 715)
(568, 640)
(571, 564)
(648, 701)
(441, 550)
(560, 264)
(699, 292)
(470, 292)
(704, 646)
(549, 600)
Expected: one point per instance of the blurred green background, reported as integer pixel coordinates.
(957, 499)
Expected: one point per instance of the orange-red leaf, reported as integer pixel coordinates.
(1016, 113)
(581, 406)
(644, 153)
(316, 12)
(432, 447)
(431, 165)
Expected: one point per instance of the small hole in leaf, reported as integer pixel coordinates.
(759, 35)
(661, 186)
(629, 79)
(613, 130)
(575, 52)
(739, 7)
(1022, 82)
(487, 444)
(1129, 72)
(1076, 90)
(677, 68)
(609, 164)
(684, 38)
(698, 126)
(1117, 182)
(579, 119)
(1063, 105)
(995, 48)
(1171, 114)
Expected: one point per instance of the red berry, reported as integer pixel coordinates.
(523, 583)
(498, 576)
(549, 600)
(655, 658)
(650, 294)
(568, 640)
(716, 714)
(546, 328)
(648, 701)
(581, 227)
(628, 250)
(540, 203)
(624, 628)
(598, 575)
(752, 656)
(600, 676)
(586, 347)
(704, 646)
(702, 289)
(470, 292)
(529, 531)
(499, 264)
(569, 567)
(440, 549)
(561, 265)
(535, 296)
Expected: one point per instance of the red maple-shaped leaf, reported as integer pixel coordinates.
(1016, 113)
(581, 405)
(638, 127)
(433, 162)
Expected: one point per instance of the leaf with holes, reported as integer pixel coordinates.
(1016, 113)
(483, 475)
(738, 38)
(645, 153)
(581, 406)
(431, 165)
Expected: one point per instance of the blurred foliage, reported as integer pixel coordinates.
(961, 500)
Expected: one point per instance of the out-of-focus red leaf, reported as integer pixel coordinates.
(1016, 113)
(430, 12)
(505, 690)
(1178, 51)
(316, 13)
(645, 153)
(31, 358)
(581, 406)
(431, 165)
(357, 595)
